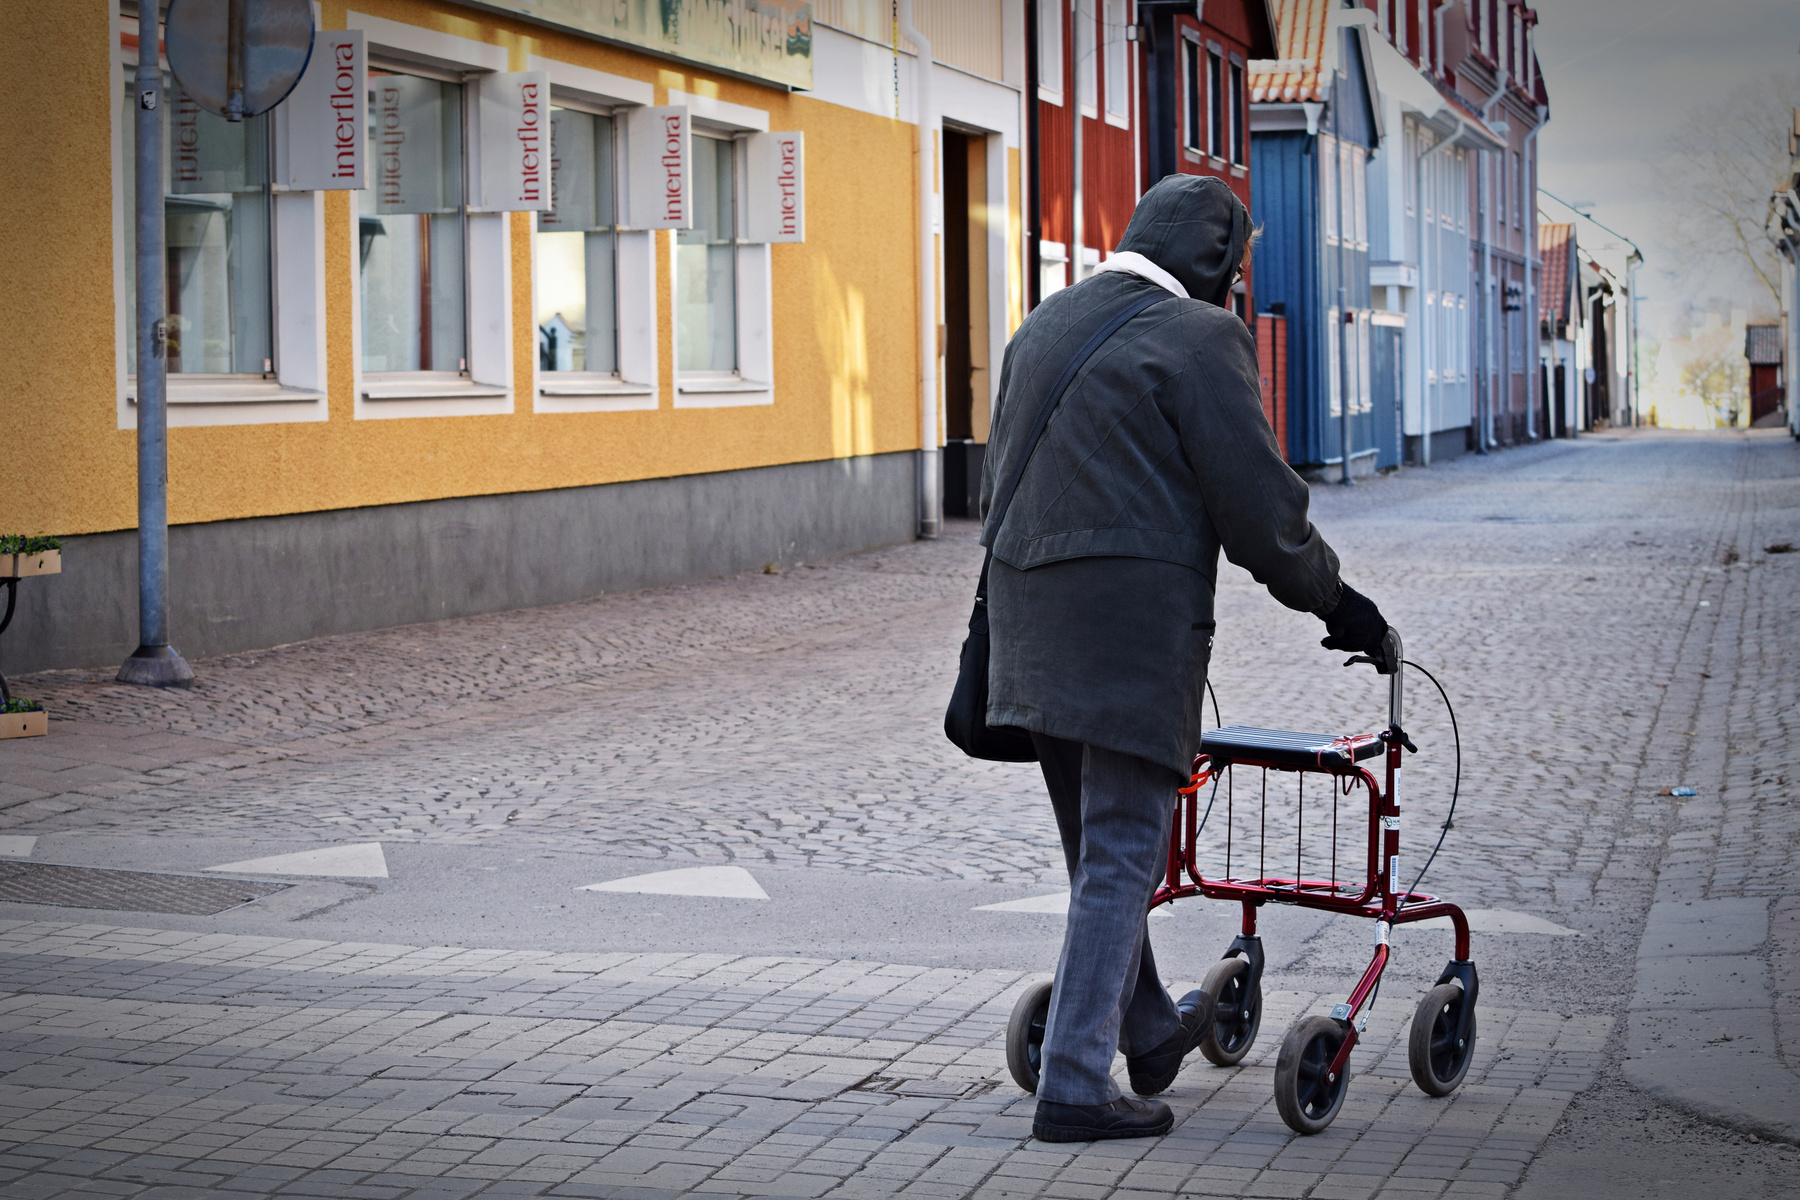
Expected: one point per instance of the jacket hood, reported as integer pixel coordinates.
(1194, 228)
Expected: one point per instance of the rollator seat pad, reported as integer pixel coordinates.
(1285, 748)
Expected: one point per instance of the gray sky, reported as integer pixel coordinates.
(1621, 75)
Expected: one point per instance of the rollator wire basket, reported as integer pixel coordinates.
(1312, 1070)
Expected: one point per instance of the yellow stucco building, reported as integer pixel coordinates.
(690, 346)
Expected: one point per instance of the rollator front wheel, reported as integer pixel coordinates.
(1306, 1099)
(1237, 1012)
(1025, 1036)
(1438, 1057)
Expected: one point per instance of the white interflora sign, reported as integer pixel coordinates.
(659, 193)
(321, 129)
(514, 151)
(775, 196)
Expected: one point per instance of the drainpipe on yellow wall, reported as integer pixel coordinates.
(930, 492)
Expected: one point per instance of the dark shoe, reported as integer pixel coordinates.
(1123, 1118)
(1154, 1072)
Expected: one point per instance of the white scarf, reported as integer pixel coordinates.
(1133, 263)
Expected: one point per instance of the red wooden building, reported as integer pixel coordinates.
(1096, 53)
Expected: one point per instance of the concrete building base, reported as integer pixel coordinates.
(265, 581)
(1446, 444)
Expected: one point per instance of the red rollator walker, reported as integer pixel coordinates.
(1312, 1070)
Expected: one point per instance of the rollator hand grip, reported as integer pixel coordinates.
(1392, 655)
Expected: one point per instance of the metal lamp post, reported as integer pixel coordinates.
(154, 662)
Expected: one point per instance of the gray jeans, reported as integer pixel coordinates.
(1113, 811)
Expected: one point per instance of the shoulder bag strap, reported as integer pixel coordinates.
(1003, 498)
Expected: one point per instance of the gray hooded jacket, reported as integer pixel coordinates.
(1100, 595)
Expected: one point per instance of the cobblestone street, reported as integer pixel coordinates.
(1614, 618)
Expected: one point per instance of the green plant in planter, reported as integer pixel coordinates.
(20, 706)
(19, 543)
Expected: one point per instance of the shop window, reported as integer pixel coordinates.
(216, 227)
(242, 269)
(412, 228)
(706, 316)
(577, 249)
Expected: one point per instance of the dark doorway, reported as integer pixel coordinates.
(1562, 400)
(1384, 379)
(965, 320)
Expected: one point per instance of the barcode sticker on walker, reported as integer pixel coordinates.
(1394, 874)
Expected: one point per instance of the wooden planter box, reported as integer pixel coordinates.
(44, 562)
(26, 724)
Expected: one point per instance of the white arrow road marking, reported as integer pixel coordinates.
(364, 861)
(734, 883)
(1056, 903)
(15, 845)
(1500, 920)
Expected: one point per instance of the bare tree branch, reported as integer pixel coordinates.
(1726, 158)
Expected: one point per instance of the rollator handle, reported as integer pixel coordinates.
(1392, 652)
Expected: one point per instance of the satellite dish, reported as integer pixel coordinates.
(238, 58)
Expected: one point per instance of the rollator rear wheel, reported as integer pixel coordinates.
(1238, 1012)
(1025, 1036)
(1439, 1060)
(1306, 1099)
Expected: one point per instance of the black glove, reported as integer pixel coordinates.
(1356, 625)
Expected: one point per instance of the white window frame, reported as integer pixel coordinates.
(1052, 255)
(1050, 50)
(1334, 349)
(298, 393)
(1191, 53)
(1085, 23)
(753, 383)
(1326, 150)
(1237, 121)
(634, 386)
(1117, 58)
(1521, 190)
(1216, 82)
(487, 389)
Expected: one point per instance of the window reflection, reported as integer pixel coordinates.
(411, 227)
(576, 248)
(216, 203)
(706, 264)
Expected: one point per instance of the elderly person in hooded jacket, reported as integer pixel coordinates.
(1100, 610)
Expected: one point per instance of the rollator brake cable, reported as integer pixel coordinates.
(1456, 785)
(1214, 794)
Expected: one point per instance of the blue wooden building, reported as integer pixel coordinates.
(1314, 122)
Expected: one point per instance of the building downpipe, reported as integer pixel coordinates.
(931, 501)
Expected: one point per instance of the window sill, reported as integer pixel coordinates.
(722, 392)
(227, 389)
(426, 385)
(601, 386)
(702, 387)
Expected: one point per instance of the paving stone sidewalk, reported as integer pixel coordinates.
(148, 1063)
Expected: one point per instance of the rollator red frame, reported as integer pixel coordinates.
(1377, 895)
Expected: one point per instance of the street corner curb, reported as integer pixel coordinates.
(1701, 1032)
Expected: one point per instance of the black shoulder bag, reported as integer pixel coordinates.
(965, 721)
